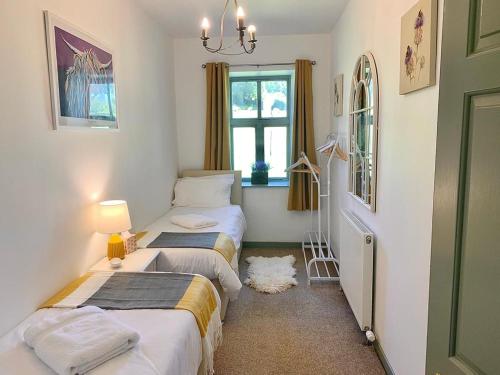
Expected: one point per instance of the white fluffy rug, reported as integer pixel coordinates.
(271, 275)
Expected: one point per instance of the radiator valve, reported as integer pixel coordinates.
(370, 336)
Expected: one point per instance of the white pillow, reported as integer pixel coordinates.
(207, 191)
(193, 221)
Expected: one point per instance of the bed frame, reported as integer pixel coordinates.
(236, 198)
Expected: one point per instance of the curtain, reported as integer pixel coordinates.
(217, 146)
(299, 194)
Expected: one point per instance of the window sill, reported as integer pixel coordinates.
(271, 184)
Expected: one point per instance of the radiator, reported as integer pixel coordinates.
(356, 267)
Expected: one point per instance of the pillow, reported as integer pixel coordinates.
(193, 221)
(207, 191)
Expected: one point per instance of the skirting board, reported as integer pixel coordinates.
(381, 355)
(275, 245)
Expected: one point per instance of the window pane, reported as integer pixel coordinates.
(274, 98)
(244, 150)
(244, 99)
(275, 142)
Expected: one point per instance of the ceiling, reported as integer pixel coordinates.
(182, 18)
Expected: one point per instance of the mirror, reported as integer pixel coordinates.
(363, 129)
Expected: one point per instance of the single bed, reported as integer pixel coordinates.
(207, 263)
(170, 340)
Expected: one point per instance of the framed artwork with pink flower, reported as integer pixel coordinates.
(418, 47)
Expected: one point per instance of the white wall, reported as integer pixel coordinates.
(265, 208)
(50, 180)
(407, 139)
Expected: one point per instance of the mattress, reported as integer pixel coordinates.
(170, 342)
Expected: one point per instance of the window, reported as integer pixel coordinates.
(260, 123)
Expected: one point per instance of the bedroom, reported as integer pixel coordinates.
(54, 175)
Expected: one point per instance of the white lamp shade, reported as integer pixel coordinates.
(113, 217)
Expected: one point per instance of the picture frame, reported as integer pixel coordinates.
(338, 95)
(81, 76)
(418, 47)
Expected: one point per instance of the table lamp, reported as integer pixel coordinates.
(113, 218)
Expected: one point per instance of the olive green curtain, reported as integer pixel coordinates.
(217, 139)
(299, 194)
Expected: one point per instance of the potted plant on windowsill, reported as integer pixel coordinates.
(260, 173)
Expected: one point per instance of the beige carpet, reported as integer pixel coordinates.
(306, 330)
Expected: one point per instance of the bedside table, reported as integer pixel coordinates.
(141, 260)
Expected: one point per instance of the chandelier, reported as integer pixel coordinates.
(247, 46)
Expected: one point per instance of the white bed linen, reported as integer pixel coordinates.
(210, 264)
(170, 344)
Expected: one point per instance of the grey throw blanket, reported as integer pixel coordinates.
(205, 240)
(218, 241)
(128, 291)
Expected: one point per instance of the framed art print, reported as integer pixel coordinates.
(82, 81)
(418, 47)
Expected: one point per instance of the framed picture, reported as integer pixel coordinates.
(418, 47)
(82, 81)
(338, 94)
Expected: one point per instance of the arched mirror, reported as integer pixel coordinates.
(363, 128)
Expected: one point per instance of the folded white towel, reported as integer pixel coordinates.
(79, 340)
(193, 221)
(133, 362)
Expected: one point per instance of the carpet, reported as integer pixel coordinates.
(309, 330)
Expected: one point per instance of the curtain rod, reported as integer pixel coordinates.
(259, 65)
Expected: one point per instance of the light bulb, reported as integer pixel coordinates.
(240, 13)
(204, 30)
(205, 24)
(251, 32)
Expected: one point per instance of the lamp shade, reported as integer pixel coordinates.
(113, 217)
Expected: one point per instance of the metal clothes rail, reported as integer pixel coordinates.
(321, 263)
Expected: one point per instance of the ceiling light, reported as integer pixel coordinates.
(247, 46)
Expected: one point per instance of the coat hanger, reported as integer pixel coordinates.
(305, 163)
(332, 143)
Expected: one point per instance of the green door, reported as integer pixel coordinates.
(464, 304)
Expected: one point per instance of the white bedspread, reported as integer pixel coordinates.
(170, 344)
(210, 264)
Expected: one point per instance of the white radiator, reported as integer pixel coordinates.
(356, 267)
